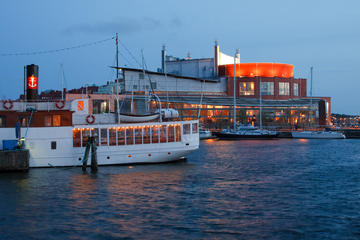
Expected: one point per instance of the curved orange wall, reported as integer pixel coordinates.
(260, 69)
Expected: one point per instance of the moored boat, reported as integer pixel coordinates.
(58, 137)
(246, 132)
(318, 135)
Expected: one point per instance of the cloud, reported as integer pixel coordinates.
(124, 26)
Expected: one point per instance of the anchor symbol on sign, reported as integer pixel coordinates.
(32, 82)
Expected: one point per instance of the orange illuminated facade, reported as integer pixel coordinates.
(258, 70)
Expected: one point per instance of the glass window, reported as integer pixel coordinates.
(76, 138)
(171, 134)
(2, 121)
(138, 135)
(267, 88)
(284, 89)
(121, 136)
(163, 134)
(141, 75)
(112, 136)
(155, 134)
(247, 88)
(47, 121)
(178, 133)
(129, 136)
(296, 89)
(101, 106)
(23, 121)
(153, 85)
(186, 128)
(146, 135)
(194, 128)
(95, 134)
(103, 136)
(56, 120)
(85, 136)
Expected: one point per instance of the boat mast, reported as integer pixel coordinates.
(117, 78)
(236, 55)
(311, 106)
(260, 107)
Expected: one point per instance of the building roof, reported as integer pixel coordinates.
(169, 75)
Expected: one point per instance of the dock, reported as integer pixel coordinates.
(14, 160)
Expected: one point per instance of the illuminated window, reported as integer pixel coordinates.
(296, 89)
(112, 137)
(178, 133)
(47, 121)
(163, 135)
(129, 136)
(138, 136)
(56, 121)
(155, 134)
(80, 105)
(2, 121)
(247, 88)
(146, 135)
(85, 136)
(267, 88)
(101, 106)
(171, 134)
(103, 137)
(284, 89)
(76, 138)
(95, 134)
(121, 136)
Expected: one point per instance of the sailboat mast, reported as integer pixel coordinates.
(311, 105)
(234, 118)
(117, 78)
(260, 107)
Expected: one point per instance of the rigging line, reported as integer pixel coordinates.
(56, 50)
(131, 55)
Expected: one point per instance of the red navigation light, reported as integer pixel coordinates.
(32, 82)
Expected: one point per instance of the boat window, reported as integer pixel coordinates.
(112, 136)
(23, 121)
(101, 106)
(56, 121)
(155, 134)
(2, 121)
(103, 136)
(47, 121)
(178, 133)
(95, 134)
(138, 135)
(163, 134)
(85, 136)
(171, 134)
(146, 135)
(194, 128)
(53, 145)
(121, 136)
(76, 138)
(186, 128)
(129, 136)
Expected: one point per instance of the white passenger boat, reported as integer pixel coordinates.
(56, 135)
(318, 135)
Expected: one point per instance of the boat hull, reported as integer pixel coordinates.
(318, 135)
(235, 136)
(54, 146)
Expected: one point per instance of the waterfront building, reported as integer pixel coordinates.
(204, 87)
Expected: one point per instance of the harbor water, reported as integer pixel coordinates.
(273, 189)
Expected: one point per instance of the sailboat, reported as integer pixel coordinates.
(321, 134)
(240, 131)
